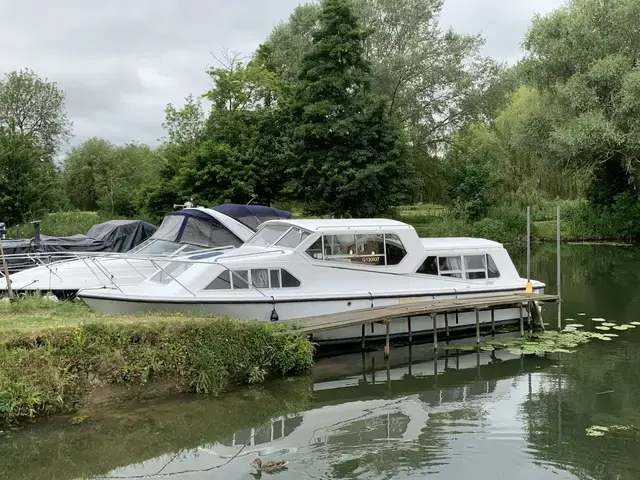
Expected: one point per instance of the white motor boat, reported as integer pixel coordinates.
(184, 231)
(300, 268)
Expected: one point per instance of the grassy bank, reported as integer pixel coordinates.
(55, 356)
(580, 222)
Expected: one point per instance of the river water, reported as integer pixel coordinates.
(470, 415)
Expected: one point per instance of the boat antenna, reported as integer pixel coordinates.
(253, 197)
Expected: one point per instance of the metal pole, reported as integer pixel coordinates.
(558, 266)
(6, 271)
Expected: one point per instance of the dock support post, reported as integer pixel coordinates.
(446, 325)
(558, 259)
(435, 331)
(493, 322)
(477, 326)
(521, 322)
(363, 335)
(409, 329)
(386, 346)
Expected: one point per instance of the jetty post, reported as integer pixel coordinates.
(558, 266)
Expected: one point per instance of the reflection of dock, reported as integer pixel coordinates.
(359, 405)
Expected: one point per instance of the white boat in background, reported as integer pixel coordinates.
(184, 231)
(300, 268)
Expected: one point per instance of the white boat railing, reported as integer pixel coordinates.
(98, 264)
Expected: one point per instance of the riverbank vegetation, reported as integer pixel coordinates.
(55, 356)
(388, 120)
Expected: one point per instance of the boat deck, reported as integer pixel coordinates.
(388, 314)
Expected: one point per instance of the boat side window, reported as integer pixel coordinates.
(450, 266)
(475, 267)
(288, 280)
(429, 266)
(260, 278)
(371, 249)
(240, 279)
(492, 268)
(221, 282)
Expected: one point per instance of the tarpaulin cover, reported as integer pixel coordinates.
(111, 236)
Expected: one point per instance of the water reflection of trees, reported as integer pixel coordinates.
(597, 385)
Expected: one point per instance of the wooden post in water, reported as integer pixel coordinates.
(493, 322)
(558, 259)
(477, 326)
(386, 346)
(446, 325)
(363, 335)
(409, 329)
(435, 331)
(521, 322)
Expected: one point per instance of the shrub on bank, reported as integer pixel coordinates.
(54, 370)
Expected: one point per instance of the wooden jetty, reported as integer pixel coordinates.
(390, 313)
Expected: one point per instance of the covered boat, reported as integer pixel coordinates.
(183, 231)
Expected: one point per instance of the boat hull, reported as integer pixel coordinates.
(293, 309)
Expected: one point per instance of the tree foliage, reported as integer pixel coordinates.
(36, 107)
(585, 55)
(347, 157)
(99, 175)
(29, 181)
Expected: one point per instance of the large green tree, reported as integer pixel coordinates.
(347, 157)
(434, 80)
(585, 54)
(29, 181)
(34, 106)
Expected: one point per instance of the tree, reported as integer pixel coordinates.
(184, 126)
(585, 54)
(435, 81)
(99, 175)
(29, 182)
(34, 107)
(347, 156)
(475, 171)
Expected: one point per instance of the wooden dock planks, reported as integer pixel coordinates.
(365, 316)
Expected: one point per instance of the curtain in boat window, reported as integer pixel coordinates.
(450, 266)
(260, 278)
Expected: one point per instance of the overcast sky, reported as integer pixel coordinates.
(121, 61)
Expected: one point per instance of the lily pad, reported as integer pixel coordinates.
(575, 325)
(569, 329)
(620, 327)
(487, 348)
(599, 327)
(598, 319)
(628, 325)
(608, 324)
(582, 314)
(611, 335)
(635, 323)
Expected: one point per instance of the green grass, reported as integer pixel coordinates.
(60, 224)
(52, 354)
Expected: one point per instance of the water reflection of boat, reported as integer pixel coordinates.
(349, 410)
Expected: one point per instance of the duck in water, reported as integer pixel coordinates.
(271, 466)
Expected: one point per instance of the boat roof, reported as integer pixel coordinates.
(322, 224)
(443, 243)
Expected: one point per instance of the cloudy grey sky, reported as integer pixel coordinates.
(121, 61)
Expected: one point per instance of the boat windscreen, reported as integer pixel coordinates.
(207, 234)
(268, 235)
